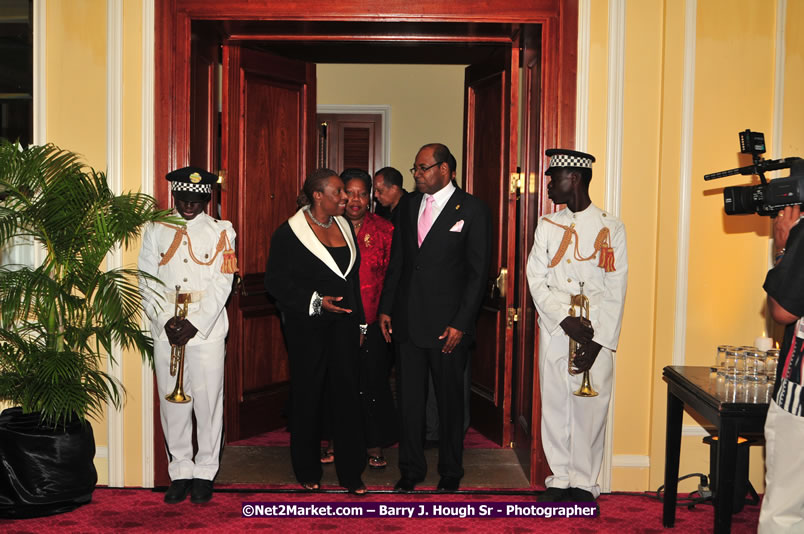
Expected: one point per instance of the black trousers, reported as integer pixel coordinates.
(413, 365)
(431, 426)
(324, 357)
(379, 412)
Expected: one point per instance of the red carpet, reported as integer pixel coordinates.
(137, 510)
(281, 438)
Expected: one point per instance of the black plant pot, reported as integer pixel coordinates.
(45, 470)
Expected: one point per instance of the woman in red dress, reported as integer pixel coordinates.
(374, 241)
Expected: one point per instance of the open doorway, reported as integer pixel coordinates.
(505, 389)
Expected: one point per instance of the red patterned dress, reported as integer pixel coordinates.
(376, 358)
(374, 242)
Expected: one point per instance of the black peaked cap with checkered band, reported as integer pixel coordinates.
(192, 180)
(563, 158)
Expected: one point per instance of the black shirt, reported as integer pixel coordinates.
(785, 283)
(341, 256)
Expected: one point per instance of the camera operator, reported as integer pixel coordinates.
(784, 429)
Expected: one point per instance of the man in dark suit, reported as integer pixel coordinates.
(433, 290)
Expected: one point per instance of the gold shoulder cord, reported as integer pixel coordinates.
(229, 265)
(601, 244)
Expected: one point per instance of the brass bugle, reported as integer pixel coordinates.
(579, 307)
(177, 353)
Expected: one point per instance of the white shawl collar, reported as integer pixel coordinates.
(301, 228)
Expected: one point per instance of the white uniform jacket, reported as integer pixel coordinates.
(209, 286)
(551, 288)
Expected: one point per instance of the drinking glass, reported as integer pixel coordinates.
(751, 361)
(754, 389)
(771, 362)
(720, 358)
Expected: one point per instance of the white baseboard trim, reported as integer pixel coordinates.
(631, 460)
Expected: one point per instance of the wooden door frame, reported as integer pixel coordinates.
(173, 19)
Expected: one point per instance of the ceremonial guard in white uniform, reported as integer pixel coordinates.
(195, 264)
(578, 250)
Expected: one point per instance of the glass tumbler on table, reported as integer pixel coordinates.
(771, 362)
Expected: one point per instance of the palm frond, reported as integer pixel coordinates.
(59, 322)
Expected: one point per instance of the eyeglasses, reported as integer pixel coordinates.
(422, 168)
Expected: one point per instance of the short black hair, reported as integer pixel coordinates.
(586, 174)
(442, 155)
(452, 163)
(357, 174)
(390, 176)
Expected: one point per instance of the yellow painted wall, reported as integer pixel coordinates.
(76, 51)
(426, 104)
(598, 95)
(727, 256)
(76, 102)
(639, 206)
(733, 90)
(793, 131)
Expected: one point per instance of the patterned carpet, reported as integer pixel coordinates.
(140, 510)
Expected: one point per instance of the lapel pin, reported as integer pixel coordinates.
(457, 207)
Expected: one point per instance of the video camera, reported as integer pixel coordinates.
(766, 198)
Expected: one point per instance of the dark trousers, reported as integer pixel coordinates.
(431, 426)
(324, 357)
(413, 364)
(381, 424)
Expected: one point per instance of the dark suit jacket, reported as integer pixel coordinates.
(442, 283)
(298, 265)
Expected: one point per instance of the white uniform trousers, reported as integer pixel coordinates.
(203, 381)
(573, 428)
(783, 505)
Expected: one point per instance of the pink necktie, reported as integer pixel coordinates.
(426, 220)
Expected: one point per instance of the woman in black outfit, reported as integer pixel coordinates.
(313, 273)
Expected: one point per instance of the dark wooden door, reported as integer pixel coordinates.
(350, 140)
(526, 403)
(490, 145)
(268, 147)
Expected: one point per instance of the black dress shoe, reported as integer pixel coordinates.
(581, 495)
(178, 490)
(405, 484)
(202, 491)
(449, 484)
(555, 495)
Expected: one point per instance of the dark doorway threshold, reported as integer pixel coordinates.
(484, 468)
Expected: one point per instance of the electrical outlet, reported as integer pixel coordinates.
(704, 491)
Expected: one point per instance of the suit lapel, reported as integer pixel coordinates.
(415, 205)
(300, 227)
(449, 214)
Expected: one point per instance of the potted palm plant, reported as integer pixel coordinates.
(59, 321)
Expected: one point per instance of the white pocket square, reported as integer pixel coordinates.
(457, 227)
